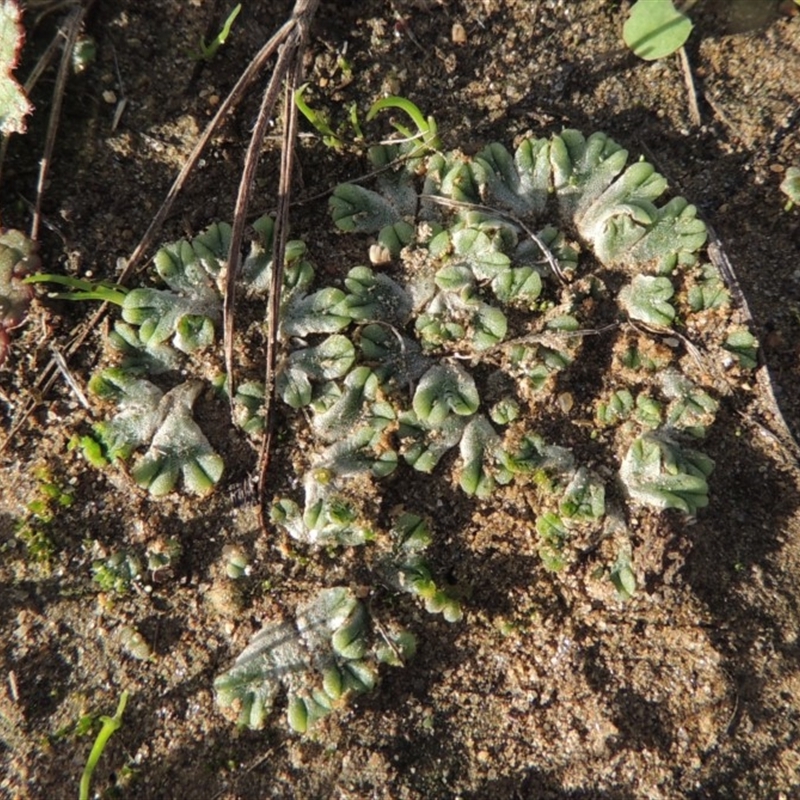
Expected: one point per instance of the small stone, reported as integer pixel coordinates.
(378, 254)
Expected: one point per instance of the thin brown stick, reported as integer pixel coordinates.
(305, 10)
(783, 435)
(691, 91)
(300, 19)
(230, 102)
(282, 68)
(70, 30)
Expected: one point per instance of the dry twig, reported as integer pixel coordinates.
(289, 42)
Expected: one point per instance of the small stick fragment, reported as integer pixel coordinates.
(61, 365)
(694, 108)
(70, 31)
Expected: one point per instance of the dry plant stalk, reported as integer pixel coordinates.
(289, 42)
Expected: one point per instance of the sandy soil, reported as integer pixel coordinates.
(550, 687)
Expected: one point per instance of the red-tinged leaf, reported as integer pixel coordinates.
(14, 105)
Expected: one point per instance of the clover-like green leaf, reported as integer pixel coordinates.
(673, 238)
(517, 286)
(395, 237)
(412, 533)
(192, 268)
(294, 387)
(529, 252)
(657, 472)
(138, 414)
(334, 512)
(505, 411)
(617, 407)
(362, 451)
(553, 536)
(646, 298)
(320, 657)
(256, 269)
(488, 325)
(339, 419)
(138, 357)
(623, 576)
(248, 404)
(355, 208)
(624, 213)
(448, 175)
(412, 574)
(189, 310)
(422, 446)
(443, 389)
(328, 518)
(395, 358)
(455, 278)
(251, 685)
(160, 313)
(479, 251)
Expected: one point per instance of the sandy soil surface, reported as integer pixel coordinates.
(550, 687)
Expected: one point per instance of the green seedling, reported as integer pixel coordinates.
(84, 54)
(646, 299)
(118, 572)
(321, 123)
(208, 51)
(655, 29)
(744, 346)
(110, 726)
(81, 289)
(162, 557)
(236, 561)
(790, 186)
(34, 530)
(134, 644)
(408, 570)
(427, 131)
(658, 472)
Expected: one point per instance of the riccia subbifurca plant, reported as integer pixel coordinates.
(543, 315)
(537, 329)
(489, 291)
